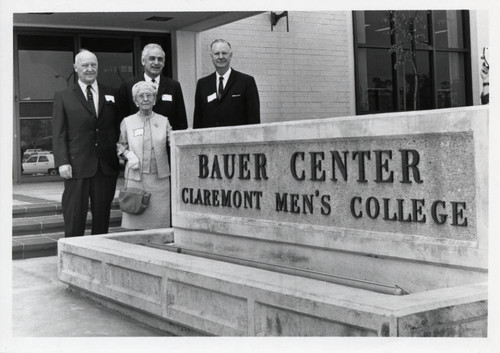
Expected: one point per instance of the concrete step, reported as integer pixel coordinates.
(36, 209)
(40, 245)
(36, 227)
(53, 224)
(43, 209)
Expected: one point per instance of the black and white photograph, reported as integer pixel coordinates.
(265, 177)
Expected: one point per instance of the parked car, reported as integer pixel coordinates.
(31, 151)
(40, 164)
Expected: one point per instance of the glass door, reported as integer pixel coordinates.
(45, 65)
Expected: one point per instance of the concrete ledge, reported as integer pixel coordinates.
(138, 315)
(231, 300)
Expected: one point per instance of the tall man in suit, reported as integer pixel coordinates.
(227, 97)
(85, 130)
(169, 98)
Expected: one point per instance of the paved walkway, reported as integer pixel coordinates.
(43, 306)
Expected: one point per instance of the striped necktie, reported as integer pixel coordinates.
(90, 99)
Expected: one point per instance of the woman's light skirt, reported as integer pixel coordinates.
(157, 215)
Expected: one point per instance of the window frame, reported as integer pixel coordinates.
(430, 49)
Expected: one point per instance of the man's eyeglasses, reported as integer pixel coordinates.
(159, 58)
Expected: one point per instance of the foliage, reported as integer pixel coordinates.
(408, 28)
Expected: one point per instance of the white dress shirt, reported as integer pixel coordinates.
(94, 90)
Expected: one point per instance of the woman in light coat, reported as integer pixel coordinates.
(143, 144)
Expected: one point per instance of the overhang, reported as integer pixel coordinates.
(132, 21)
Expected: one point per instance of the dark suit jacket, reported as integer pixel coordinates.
(239, 104)
(82, 141)
(169, 101)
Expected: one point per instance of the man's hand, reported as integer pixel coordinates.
(132, 160)
(65, 171)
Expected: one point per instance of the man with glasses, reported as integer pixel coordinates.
(169, 98)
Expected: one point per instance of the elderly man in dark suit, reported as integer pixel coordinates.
(227, 97)
(85, 130)
(169, 98)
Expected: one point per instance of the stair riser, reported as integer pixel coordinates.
(40, 213)
(48, 250)
(53, 227)
(44, 210)
(43, 245)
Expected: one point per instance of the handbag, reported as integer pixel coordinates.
(133, 200)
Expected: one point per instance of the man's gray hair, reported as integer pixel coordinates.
(220, 41)
(150, 46)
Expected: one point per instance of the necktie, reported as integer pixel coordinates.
(90, 99)
(153, 81)
(221, 87)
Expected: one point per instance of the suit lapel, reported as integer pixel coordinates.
(230, 81)
(102, 100)
(161, 89)
(79, 94)
(163, 84)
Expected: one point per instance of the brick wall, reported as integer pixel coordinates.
(301, 74)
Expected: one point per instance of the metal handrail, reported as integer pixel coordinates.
(336, 279)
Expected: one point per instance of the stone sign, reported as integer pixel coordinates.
(403, 184)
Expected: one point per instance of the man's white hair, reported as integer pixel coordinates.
(80, 53)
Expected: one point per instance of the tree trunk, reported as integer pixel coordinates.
(415, 92)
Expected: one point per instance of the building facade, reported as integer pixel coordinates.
(307, 65)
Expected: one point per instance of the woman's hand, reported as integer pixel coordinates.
(132, 160)
(485, 73)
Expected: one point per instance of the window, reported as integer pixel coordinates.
(32, 159)
(47, 60)
(115, 58)
(411, 60)
(35, 137)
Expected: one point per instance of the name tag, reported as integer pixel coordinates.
(166, 97)
(211, 97)
(139, 132)
(109, 98)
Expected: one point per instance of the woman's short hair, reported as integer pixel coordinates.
(143, 86)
